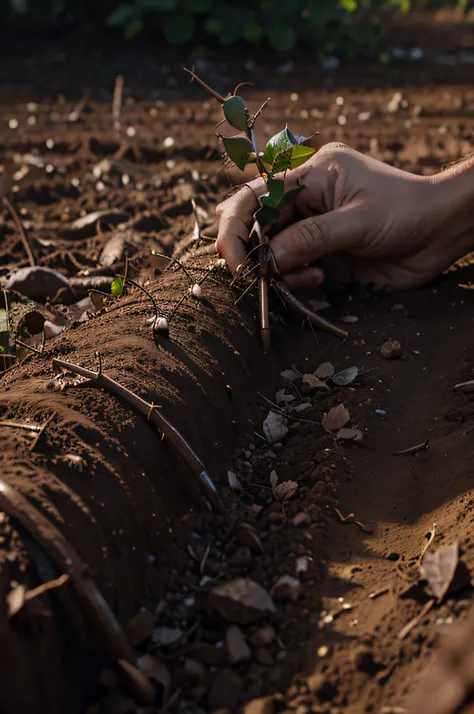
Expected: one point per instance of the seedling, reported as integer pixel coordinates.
(283, 151)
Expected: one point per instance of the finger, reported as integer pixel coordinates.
(316, 236)
(305, 279)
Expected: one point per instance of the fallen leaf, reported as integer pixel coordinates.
(290, 375)
(336, 418)
(347, 434)
(274, 427)
(285, 490)
(325, 371)
(312, 381)
(439, 566)
(345, 377)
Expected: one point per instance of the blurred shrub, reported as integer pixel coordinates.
(347, 27)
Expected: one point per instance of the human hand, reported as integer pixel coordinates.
(374, 223)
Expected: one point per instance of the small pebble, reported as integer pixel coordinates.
(13, 123)
(380, 412)
(391, 349)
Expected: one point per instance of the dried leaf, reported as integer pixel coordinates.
(325, 371)
(439, 566)
(312, 381)
(345, 377)
(274, 427)
(336, 418)
(285, 490)
(273, 478)
(16, 599)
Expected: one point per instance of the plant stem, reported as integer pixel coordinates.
(27, 244)
(180, 445)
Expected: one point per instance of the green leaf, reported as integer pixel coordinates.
(197, 7)
(288, 195)
(4, 333)
(213, 26)
(238, 149)
(349, 5)
(133, 28)
(279, 143)
(253, 32)
(282, 37)
(267, 215)
(178, 28)
(157, 4)
(117, 287)
(300, 154)
(123, 14)
(276, 189)
(234, 112)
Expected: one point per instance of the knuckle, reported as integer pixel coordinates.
(334, 151)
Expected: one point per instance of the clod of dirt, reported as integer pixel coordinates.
(236, 646)
(240, 558)
(194, 671)
(345, 377)
(325, 371)
(287, 588)
(37, 283)
(242, 601)
(285, 490)
(225, 691)
(274, 427)
(391, 349)
(336, 418)
(439, 566)
(247, 536)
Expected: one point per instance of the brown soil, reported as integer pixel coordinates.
(129, 509)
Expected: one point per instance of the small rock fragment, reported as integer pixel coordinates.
(194, 670)
(242, 601)
(350, 319)
(236, 647)
(346, 434)
(287, 588)
(263, 637)
(397, 308)
(166, 636)
(274, 427)
(264, 656)
(336, 418)
(285, 490)
(391, 349)
(234, 482)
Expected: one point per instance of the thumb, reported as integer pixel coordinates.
(316, 236)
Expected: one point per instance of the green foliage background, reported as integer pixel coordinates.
(347, 27)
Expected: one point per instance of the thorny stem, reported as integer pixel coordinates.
(216, 95)
(178, 442)
(28, 246)
(300, 309)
